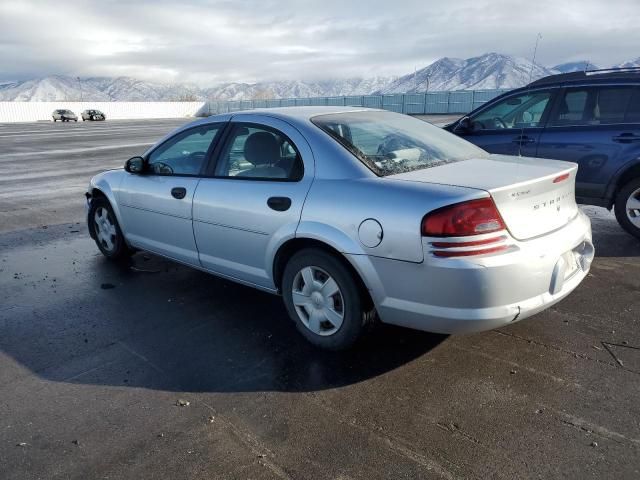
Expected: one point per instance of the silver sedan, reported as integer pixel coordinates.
(353, 216)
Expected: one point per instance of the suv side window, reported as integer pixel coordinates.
(597, 106)
(259, 152)
(185, 153)
(524, 110)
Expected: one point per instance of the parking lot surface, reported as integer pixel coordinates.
(154, 370)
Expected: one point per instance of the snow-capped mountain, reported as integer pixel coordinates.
(629, 64)
(578, 66)
(488, 71)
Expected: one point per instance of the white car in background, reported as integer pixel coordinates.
(64, 115)
(352, 214)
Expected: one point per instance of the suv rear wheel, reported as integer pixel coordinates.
(323, 299)
(627, 207)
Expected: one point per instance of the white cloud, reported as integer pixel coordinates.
(216, 41)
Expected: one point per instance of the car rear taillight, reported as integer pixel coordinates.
(475, 217)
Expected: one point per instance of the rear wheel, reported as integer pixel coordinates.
(105, 230)
(627, 207)
(323, 299)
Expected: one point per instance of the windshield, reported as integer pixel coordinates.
(390, 143)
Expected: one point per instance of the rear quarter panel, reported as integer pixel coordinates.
(337, 208)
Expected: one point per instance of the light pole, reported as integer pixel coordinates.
(428, 77)
(80, 86)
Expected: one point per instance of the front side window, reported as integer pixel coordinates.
(259, 153)
(515, 112)
(390, 143)
(185, 153)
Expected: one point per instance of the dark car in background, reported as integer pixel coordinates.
(591, 118)
(64, 115)
(92, 115)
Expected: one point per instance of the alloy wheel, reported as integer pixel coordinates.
(633, 208)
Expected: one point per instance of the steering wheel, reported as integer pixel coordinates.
(498, 122)
(196, 156)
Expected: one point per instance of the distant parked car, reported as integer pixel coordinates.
(346, 212)
(92, 115)
(64, 116)
(591, 118)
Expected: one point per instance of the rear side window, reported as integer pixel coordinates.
(598, 106)
(260, 153)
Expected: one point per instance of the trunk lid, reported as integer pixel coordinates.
(534, 196)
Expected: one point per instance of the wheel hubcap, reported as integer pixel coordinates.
(105, 229)
(633, 208)
(318, 301)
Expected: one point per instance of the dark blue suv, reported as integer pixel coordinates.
(591, 118)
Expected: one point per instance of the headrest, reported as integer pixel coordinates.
(261, 148)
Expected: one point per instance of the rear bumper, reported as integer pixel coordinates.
(463, 295)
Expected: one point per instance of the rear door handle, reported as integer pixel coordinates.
(279, 204)
(179, 192)
(523, 139)
(626, 138)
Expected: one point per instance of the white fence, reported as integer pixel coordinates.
(34, 111)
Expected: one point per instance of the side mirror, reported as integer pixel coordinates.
(134, 165)
(463, 125)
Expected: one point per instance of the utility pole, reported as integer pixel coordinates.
(80, 86)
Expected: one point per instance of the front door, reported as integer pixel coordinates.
(512, 125)
(599, 129)
(156, 205)
(253, 199)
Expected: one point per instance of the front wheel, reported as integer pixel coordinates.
(324, 299)
(627, 207)
(105, 230)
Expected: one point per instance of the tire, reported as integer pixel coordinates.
(314, 308)
(627, 207)
(105, 230)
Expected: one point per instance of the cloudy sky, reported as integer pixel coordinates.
(215, 41)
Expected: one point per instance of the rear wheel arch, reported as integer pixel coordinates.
(627, 174)
(288, 249)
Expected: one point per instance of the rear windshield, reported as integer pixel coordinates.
(390, 143)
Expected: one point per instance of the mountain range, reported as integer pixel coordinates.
(488, 71)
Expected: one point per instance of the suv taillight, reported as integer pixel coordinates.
(475, 217)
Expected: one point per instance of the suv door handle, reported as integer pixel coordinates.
(626, 138)
(523, 139)
(279, 204)
(179, 192)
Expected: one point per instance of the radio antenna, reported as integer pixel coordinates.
(533, 64)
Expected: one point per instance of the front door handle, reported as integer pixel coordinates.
(523, 139)
(279, 204)
(179, 192)
(626, 138)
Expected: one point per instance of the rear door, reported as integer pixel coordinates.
(253, 198)
(597, 127)
(511, 125)
(156, 205)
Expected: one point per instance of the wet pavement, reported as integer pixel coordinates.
(152, 370)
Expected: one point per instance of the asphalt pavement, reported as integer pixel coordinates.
(153, 370)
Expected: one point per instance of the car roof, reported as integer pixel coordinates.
(621, 75)
(286, 113)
